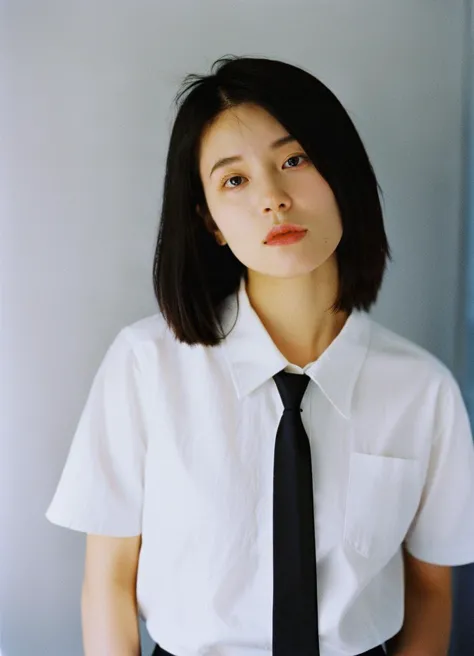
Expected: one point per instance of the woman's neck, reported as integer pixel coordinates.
(296, 311)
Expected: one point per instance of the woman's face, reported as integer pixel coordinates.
(266, 187)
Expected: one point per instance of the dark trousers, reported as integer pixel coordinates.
(377, 651)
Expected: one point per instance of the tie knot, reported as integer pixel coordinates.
(292, 388)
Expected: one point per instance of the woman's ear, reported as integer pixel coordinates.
(211, 226)
(220, 238)
(205, 217)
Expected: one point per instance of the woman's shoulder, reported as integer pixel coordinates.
(151, 328)
(150, 338)
(395, 350)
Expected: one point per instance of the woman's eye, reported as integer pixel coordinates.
(296, 157)
(234, 177)
(240, 177)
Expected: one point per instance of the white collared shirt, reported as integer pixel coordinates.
(176, 443)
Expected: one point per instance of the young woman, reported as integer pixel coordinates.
(236, 520)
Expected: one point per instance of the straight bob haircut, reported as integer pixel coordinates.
(192, 273)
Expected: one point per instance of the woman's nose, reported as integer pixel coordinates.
(275, 199)
(276, 207)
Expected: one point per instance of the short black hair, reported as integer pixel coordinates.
(192, 273)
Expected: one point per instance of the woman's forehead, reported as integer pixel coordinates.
(239, 120)
(237, 129)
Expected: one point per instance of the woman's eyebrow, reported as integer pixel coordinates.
(237, 158)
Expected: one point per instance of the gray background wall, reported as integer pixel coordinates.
(467, 308)
(85, 93)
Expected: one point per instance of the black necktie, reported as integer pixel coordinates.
(295, 603)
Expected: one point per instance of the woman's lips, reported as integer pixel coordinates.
(285, 237)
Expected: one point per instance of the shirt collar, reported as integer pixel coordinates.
(254, 358)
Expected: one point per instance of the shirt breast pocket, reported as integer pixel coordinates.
(383, 495)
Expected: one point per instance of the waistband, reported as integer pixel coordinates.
(376, 651)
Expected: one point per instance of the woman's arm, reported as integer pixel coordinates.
(108, 603)
(428, 610)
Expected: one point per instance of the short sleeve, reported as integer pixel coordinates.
(101, 486)
(442, 532)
